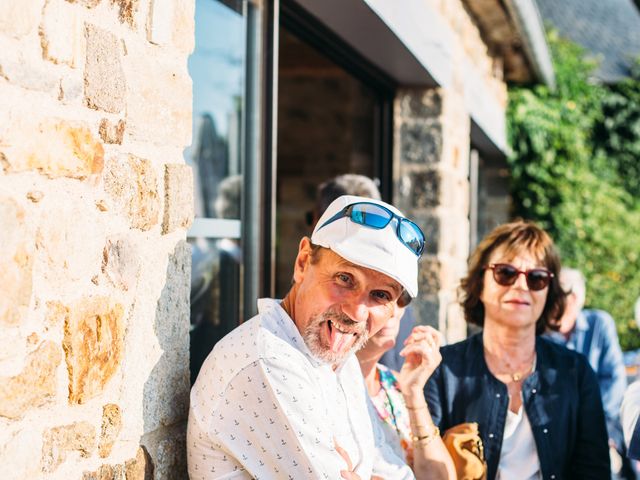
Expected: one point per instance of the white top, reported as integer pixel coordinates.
(263, 407)
(519, 455)
(630, 410)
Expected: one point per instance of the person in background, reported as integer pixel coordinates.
(282, 395)
(629, 414)
(536, 403)
(593, 333)
(361, 186)
(398, 398)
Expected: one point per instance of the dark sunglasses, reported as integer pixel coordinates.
(376, 216)
(506, 275)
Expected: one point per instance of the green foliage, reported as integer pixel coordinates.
(617, 133)
(576, 171)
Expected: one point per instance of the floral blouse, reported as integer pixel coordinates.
(389, 403)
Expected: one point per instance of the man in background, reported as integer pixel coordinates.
(593, 333)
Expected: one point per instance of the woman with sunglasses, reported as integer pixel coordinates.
(537, 404)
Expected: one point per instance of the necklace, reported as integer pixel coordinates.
(519, 375)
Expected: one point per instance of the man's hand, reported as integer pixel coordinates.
(349, 474)
(421, 357)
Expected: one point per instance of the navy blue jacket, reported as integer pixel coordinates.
(561, 399)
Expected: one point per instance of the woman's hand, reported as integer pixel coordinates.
(421, 357)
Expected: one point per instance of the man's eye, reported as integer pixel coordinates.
(343, 278)
(381, 295)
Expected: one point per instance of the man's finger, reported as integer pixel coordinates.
(343, 453)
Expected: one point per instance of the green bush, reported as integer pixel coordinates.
(575, 164)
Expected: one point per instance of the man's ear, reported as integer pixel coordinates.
(303, 259)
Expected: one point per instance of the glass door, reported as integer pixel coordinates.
(224, 155)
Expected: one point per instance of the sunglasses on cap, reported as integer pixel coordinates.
(506, 275)
(378, 217)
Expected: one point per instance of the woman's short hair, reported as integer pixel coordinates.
(515, 237)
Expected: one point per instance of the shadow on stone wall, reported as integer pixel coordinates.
(166, 391)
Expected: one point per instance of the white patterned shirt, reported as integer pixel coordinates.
(263, 407)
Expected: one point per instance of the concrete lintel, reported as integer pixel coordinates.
(407, 41)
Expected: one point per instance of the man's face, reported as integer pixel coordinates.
(338, 305)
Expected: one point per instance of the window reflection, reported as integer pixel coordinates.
(218, 73)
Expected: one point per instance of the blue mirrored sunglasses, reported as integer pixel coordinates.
(376, 216)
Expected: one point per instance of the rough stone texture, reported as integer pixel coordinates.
(432, 150)
(178, 197)
(167, 449)
(132, 184)
(421, 142)
(71, 149)
(59, 441)
(86, 131)
(106, 472)
(86, 3)
(422, 104)
(426, 189)
(34, 386)
(184, 25)
(140, 467)
(127, 10)
(16, 263)
(35, 196)
(160, 26)
(93, 343)
(60, 33)
(431, 227)
(153, 115)
(17, 19)
(110, 132)
(429, 276)
(104, 81)
(111, 426)
(166, 392)
(121, 263)
(70, 90)
(17, 454)
(14, 68)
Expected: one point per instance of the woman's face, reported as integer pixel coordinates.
(515, 305)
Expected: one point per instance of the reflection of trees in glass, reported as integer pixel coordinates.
(211, 161)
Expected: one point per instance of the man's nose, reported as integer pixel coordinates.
(357, 310)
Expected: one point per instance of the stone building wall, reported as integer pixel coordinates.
(95, 199)
(431, 168)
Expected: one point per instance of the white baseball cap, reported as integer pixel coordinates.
(378, 249)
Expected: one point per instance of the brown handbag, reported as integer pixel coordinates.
(465, 447)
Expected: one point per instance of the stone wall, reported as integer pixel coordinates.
(432, 186)
(95, 199)
(432, 130)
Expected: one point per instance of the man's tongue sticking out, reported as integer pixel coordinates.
(339, 341)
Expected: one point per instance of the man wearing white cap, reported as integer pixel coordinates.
(282, 395)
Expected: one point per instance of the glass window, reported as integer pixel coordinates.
(326, 126)
(217, 68)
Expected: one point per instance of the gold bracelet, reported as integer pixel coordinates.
(417, 408)
(427, 438)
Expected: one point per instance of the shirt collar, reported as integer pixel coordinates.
(273, 307)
